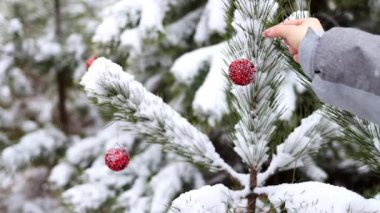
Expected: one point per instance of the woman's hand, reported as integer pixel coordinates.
(293, 32)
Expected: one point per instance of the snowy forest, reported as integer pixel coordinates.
(85, 81)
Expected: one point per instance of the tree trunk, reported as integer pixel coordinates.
(62, 78)
(252, 185)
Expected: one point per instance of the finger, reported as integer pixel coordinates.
(286, 42)
(292, 51)
(296, 58)
(293, 22)
(278, 31)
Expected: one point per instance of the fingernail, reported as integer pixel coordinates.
(267, 33)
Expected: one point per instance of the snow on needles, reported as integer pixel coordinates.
(95, 195)
(107, 83)
(209, 100)
(212, 21)
(115, 18)
(168, 182)
(218, 197)
(61, 174)
(187, 67)
(315, 197)
(43, 142)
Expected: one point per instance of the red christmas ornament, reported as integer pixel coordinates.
(117, 159)
(242, 72)
(90, 61)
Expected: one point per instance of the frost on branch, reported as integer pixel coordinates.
(305, 139)
(296, 149)
(147, 115)
(257, 103)
(317, 197)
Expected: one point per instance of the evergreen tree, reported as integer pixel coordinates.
(254, 129)
(241, 142)
(44, 43)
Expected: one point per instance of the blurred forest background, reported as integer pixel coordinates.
(50, 133)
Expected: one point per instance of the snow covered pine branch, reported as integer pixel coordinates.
(147, 115)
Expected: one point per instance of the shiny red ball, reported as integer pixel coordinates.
(117, 159)
(242, 72)
(90, 61)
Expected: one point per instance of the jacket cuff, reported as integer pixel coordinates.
(307, 51)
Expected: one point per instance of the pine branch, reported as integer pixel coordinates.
(257, 103)
(299, 145)
(147, 115)
(361, 136)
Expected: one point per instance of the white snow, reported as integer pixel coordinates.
(304, 139)
(317, 197)
(133, 199)
(15, 26)
(312, 170)
(287, 91)
(300, 14)
(152, 14)
(253, 130)
(5, 94)
(85, 197)
(296, 149)
(83, 152)
(21, 85)
(210, 99)
(100, 68)
(107, 31)
(5, 60)
(47, 47)
(42, 107)
(44, 142)
(376, 142)
(169, 181)
(180, 31)
(212, 21)
(102, 174)
(187, 66)
(211, 199)
(29, 126)
(131, 38)
(75, 45)
(115, 18)
(147, 14)
(61, 174)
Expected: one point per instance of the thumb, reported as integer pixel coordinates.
(278, 31)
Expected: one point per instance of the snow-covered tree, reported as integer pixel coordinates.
(234, 139)
(43, 49)
(257, 108)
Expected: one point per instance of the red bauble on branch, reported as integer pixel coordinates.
(117, 159)
(90, 61)
(242, 72)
